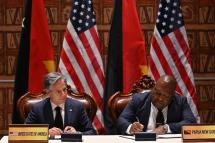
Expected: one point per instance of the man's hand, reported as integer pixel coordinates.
(160, 130)
(136, 127)
(54, 131)
(70, 129)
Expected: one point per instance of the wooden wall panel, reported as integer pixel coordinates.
(199, 16)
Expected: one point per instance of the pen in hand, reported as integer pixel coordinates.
(137, 119)
(69, 129)
(136, 126)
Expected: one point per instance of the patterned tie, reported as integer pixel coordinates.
(58, 118)
(159, 119)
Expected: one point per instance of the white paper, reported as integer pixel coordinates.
(170, 136)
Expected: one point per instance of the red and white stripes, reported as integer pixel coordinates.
(170, 54)
(81, 63)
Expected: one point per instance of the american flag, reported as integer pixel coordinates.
(170, 53)
(13, 133)
(81, 60)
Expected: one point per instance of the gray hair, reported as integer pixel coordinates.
(51, 78)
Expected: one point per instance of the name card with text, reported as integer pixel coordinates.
(198, 132)
(37, 133)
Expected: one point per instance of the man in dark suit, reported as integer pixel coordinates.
(160, 110)
(63, 114)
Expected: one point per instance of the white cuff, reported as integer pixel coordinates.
(168, 129)
(128, 130)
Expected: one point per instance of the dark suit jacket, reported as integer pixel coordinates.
(75, 115)
(179, 112)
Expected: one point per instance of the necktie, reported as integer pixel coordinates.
(159, 119)
(58, 118)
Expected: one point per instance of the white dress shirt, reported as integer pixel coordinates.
(62, 110)
(152, 119)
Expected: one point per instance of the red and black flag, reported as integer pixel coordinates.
(126, 52)
(35, 57)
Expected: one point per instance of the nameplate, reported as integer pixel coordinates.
(37, 133)
(198, 132)
(145, 136)
(74, 137)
